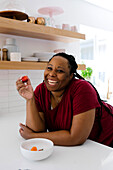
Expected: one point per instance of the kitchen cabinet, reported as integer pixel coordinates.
(25, 29)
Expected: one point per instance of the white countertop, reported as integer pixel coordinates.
(89, 156)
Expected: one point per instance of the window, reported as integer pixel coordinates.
(96, 52)
(87, 50)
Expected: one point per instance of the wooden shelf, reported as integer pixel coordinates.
(13, 65)
(25, 29)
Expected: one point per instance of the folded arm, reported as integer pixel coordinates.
(79, 132)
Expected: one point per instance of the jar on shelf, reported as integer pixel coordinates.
(10, 46)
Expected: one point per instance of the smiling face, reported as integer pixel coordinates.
(57, 74)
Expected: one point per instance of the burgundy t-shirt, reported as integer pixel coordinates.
(78, 97)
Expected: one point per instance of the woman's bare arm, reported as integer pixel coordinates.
(79, 132)
(34, 119)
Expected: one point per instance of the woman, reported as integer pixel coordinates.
(65, 105)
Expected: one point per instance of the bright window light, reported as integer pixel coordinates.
(106, 4)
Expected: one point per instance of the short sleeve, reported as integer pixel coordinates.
(85, 98)
(37, 94)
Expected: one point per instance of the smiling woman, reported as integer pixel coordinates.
(66, 105)
(57, 77)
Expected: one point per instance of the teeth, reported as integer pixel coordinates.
(52, 82)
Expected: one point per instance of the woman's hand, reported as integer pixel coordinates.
(25, 132)
(24, 89)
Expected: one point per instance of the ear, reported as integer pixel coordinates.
(71, 76)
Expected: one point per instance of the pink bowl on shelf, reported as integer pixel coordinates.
(59, 51)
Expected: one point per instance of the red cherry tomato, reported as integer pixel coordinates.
(24, 79)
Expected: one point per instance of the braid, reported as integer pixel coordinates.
(79, 76)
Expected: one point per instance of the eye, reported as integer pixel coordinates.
(60, 71)
(49, 68)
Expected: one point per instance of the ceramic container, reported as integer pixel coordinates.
(10, 46)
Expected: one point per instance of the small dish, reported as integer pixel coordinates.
(43, 56)
(59, 51)
(44, 148)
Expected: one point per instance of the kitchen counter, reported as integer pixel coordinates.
(89, 156)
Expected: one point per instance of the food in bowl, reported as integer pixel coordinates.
(34, 148)
(44, 148)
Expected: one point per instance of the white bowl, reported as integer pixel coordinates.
(40, 143)
(43, 56)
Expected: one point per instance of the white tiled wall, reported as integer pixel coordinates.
(10, 101)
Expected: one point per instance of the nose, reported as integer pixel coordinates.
(52, 73)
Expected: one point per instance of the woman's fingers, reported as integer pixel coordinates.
(21, 87)
(24, 88)
(21, 125)
(25, 131)
(20, 84)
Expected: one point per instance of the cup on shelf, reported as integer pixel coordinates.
(15, 56)
(66, 27)
(47, 21)
(74, 28)
(58, 26)
(59, 51)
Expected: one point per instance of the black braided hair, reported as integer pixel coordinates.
(73, 69)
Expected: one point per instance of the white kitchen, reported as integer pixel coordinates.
(84, 30)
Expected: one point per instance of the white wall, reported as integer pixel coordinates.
(75, 12)
(10, 101)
